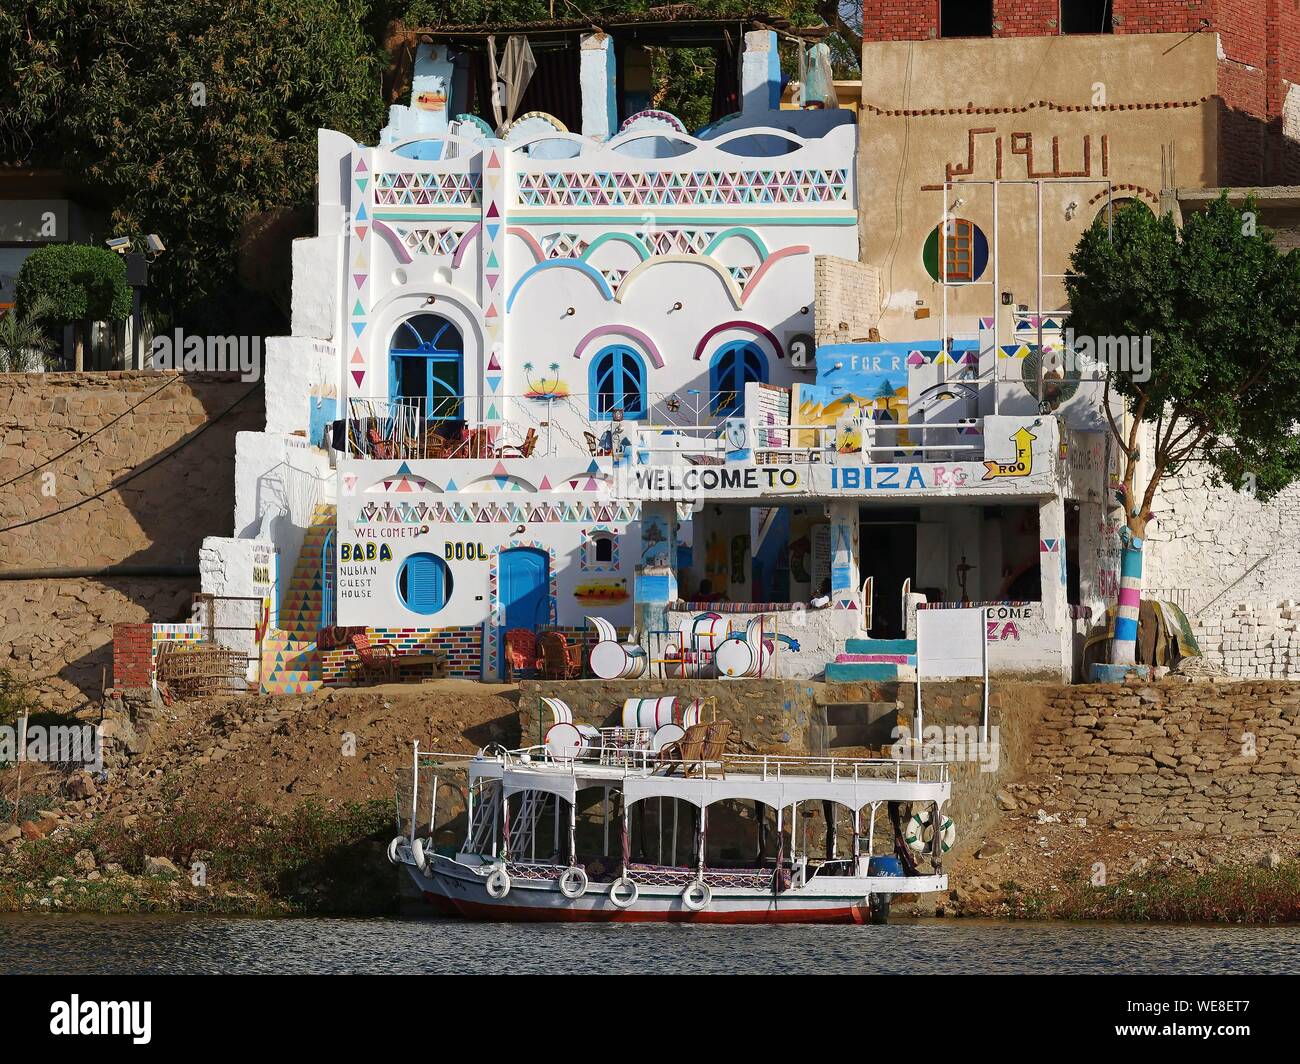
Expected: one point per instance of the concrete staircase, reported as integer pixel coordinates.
(290, 659)
(874, 661)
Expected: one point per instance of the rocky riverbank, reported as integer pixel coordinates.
(238, 804)
(1136, 802)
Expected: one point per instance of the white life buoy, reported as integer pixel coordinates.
(919, 833)
(697, 895)
(573, 882)
(417, 855)
(392, 850)
(498, 883)
(623, 901)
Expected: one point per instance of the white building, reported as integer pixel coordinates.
(554, 375)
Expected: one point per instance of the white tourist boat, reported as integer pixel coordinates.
(520, 858)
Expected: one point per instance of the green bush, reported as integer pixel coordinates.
(77, 282)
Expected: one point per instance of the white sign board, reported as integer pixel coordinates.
(950, 643)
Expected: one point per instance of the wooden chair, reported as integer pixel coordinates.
(715, 744)
(375, 662)
(687, 752)
(556, 659)
(378, 446)
(521, 652)
(523, 450)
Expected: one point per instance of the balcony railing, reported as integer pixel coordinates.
(881, 442)
(674, 428)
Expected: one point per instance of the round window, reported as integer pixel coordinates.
(424, 583)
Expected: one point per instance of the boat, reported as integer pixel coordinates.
(520, 858)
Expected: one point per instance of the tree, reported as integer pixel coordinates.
(73, 284)
(25, 344)
(1221, 308)
(188, 118)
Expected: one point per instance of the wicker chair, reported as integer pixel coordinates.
(556, 658)
(523, 450)
(521, 652)
(374, 663)
(689, 752)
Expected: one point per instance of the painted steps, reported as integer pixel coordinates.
(868, 672)
(874, 661)
(290, 659)
(880, 646)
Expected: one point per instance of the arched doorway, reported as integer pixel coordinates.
(426, 365)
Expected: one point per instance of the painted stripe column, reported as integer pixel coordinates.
(1053, 579)
(1124, 649)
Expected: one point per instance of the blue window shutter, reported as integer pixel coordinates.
(424, 587)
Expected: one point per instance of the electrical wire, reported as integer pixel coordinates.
(137, 472)
(87, 439)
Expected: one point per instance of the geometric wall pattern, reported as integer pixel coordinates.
(687, 188)
(442, 241)
(531, 512)
(426, 189)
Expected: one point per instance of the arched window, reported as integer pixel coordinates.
(426, 357)
(617, 383)
(424, 583)
(735, 365)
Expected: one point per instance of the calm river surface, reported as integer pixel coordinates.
(156, 944)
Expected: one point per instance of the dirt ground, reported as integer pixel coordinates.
(333, 746)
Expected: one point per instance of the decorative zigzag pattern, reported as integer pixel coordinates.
(687, 188)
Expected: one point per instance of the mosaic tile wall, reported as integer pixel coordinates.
(463, 647)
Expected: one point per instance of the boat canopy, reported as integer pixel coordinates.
(773, 790)
(780, 793)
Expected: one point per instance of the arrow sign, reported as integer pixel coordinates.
(1023, 464)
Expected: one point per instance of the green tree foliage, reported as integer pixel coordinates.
(1221, 305)
(188, 118)
(25, 347)
(197, 119)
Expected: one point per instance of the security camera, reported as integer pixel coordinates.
(120, 244)
(153, 242)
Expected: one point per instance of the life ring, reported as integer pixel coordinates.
(392, 850)
(573, 882)
(623, 883)
(417, 855)
(697, 895)
(498, 883)
(919, 834)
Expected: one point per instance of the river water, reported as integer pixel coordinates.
(70, 944)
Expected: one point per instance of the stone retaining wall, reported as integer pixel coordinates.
(1193, 758)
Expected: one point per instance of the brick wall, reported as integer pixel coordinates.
(847, 299)
(1025, 18)
(1190, 758)
(900, 20)
(132, 655)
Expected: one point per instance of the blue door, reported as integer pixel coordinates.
(524, 580)
(524, 588)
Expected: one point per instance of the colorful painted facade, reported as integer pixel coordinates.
(552, 375)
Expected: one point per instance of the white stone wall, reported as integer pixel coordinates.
(1253, 640)
(1238, 560)
(1224, 547)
